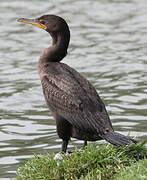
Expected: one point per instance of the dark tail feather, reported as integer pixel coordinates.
(118, 139)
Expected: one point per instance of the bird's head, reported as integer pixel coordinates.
(50, 23)
(59, 31)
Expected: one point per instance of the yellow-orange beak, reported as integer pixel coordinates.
(34, 22)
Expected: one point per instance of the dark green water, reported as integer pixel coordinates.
(108, 46)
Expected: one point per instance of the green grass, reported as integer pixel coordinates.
(138, 171)
(93, 163)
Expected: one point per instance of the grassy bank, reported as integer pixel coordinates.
(93, 163)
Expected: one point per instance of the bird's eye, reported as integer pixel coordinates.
(41, 21)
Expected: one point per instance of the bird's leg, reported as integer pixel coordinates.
(85, 143)
(64, 145)
(63, 130)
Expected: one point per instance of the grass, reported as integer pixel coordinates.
(138, 171)
(93, 163)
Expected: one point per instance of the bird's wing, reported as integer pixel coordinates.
(72, 96)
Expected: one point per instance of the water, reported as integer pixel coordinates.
(108, 46)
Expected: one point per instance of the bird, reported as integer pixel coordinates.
(76, 106)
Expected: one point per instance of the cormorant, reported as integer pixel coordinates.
(75, 104)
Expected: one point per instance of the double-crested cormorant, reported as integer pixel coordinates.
(76, 106)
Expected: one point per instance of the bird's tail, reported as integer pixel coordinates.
(118, 139)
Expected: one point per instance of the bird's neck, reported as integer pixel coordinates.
(58, 50)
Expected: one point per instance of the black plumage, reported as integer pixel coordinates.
(74, 102)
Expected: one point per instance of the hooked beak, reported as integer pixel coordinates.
(34, 22)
